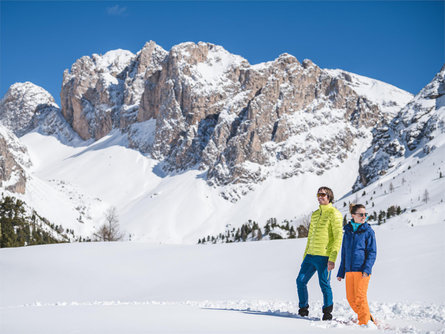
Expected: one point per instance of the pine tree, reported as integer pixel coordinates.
(267, 229)
(243, 233)
(237, 234)
(260, 234)
(18, 229)
(292, 234)
(391, 211)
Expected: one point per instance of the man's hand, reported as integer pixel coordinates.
(339, 279)
(365, 275)
(331, 265)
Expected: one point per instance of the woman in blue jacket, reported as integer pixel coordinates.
(358, 254)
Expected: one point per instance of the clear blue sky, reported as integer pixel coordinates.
(398, 42)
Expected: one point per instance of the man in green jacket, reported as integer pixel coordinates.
(323, 244)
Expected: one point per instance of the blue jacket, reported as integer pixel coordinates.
(358, 251)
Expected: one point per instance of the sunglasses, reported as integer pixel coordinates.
(321, 195)
(361, 214)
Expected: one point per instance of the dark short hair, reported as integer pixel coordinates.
(329, 192)
(354, 207)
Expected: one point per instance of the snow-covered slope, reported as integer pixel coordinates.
(390, 98)
(153, 206)
(182, 208)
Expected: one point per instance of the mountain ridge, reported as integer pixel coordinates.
(204, 130)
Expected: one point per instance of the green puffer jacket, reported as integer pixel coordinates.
(325, 232)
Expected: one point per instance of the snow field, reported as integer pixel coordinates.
(134, 287)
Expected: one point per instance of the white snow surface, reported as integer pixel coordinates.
(218, 61)
(136, 287)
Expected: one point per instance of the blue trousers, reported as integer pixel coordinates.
(310, 265)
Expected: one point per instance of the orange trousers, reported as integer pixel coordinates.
(356, 293)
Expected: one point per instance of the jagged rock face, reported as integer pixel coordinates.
(200, 106)
(13, 157)
(413, 128)
(215, 110)
(291, 118)
(103, 92)
(195, 83)
(26, 107)
(21, 104)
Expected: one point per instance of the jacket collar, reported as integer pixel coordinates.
(362, 228)
(325, 206)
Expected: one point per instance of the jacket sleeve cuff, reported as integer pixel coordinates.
(333, 256)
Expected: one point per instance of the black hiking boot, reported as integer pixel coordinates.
(327, 312)
(303, 311)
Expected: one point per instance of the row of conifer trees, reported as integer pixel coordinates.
(17, 228)
(251, 231)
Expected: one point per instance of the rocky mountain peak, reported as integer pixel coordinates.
(113, 62)
(413, 128)
(436, 88)
(21, 103)
(199, 106)
(150, 56)
(103, 92)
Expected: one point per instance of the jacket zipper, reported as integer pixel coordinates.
(352, 249)
(353, 244)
